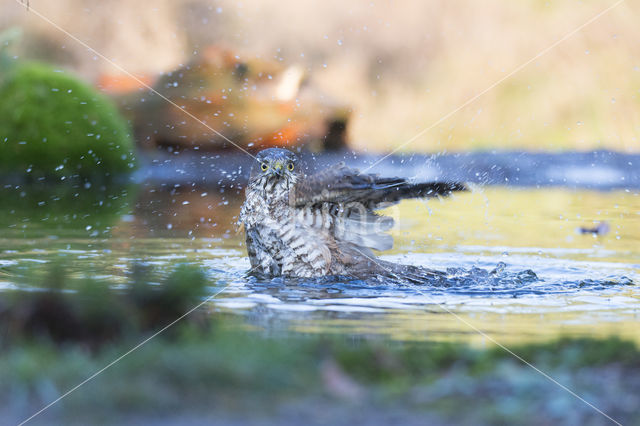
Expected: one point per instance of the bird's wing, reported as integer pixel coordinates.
(343, 201)
(341, 184)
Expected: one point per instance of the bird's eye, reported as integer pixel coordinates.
(264, 167)
(290, 167)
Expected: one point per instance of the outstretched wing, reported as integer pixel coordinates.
(342, 200)
(341, 184)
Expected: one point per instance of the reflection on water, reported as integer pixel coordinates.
(518, 267)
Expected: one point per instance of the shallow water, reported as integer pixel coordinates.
(518, 270)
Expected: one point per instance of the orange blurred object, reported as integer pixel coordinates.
(118, 84)
(255, 103)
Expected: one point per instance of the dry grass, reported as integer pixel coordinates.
(402, 65)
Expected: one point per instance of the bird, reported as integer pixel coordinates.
(325, 224)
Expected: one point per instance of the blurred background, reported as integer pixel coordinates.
(396, 68)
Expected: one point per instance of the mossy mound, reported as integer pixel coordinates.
(54, 126)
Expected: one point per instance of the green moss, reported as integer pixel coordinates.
(236, 369)
(53, 125)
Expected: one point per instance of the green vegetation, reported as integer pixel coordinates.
(210, 367)
(226, 372)
(55, 126)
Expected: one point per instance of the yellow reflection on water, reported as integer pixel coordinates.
(437, 324)
(542, 219)
(539, 222)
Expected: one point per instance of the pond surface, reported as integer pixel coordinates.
(522, 270)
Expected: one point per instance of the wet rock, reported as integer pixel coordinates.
(253, 103)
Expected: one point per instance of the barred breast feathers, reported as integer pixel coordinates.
(324, 223)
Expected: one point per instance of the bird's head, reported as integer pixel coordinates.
(275, 166)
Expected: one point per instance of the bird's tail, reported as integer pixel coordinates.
(431, 189)
(401, 189)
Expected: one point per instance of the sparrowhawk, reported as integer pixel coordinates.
(325, 223)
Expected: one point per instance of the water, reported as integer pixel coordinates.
(519, 270)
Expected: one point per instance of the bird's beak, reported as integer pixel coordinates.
(278, 168)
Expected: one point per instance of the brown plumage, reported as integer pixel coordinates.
(325, 223)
